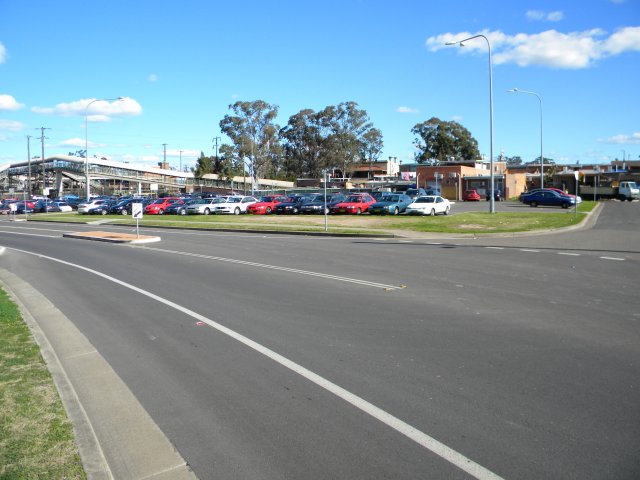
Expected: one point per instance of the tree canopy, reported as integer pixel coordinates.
(441, 140)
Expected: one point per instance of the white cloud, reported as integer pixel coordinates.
(550, 48)
(622, 139)
(97, 110)
(77, 142)
(555, 16)
(407, 110)
(538, 15)
(153, 78)
(7, 102)
(12, 125)
(3, 53)
(535, 15)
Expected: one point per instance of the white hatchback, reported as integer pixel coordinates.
(429, 205)
(235, 205)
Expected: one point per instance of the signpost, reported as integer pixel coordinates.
(136, 212)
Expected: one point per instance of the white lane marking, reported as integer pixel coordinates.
(495, 248)
(275, 267)
(452, 456)
(31, 234)
(618, 259)
(569, 254)
(529, 250)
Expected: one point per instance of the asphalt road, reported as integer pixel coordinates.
(274, 356)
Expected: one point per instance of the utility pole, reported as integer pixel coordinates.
(165, 155)
(215, 140)
(29, 164)
(44, 173)
(180, 160)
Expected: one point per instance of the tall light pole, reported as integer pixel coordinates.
(517, 90)
(492, 206)
(86, 136)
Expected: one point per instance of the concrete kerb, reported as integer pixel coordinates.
(115, 435)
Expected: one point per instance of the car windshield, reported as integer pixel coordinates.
(425, 200)
(268, 199)
(354, 199)
(235, 200)
(390, 198)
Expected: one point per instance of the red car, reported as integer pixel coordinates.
(158, 207)
(266, 205)
(356, 203)
(471, 196)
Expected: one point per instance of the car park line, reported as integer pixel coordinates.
(276, 267)
(426, 441)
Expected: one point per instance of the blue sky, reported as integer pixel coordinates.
(179, 65)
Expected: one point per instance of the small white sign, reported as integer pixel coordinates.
(13, 207)
(136, 210)
(153, 187)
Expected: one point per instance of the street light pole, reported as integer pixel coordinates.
(86, 137)
(492, 206)
(517, 90)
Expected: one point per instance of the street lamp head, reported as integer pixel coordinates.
(513, 90)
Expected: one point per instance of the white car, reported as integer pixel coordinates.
(235, 205)
(429, 205)
(204, 206)
(86, 207)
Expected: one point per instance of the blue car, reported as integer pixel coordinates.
(393, 204)
(547, 198)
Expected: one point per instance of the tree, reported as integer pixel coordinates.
(204, 165)
(347, 125)
(304, 142)
(440, 140)
(514, 160)
(254, 135)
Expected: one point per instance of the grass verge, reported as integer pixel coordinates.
(36, 438)
(470, 222)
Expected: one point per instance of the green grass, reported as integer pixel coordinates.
(471, 222)
(36, 438)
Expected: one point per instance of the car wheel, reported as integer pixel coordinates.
(268, 211)
(207, 211)
(103, 212)
(433, 212)
(183, 211)
(533, 204)
(295, 210)
(396, 211)
(565, 205)
(161, 212)
(622, 198)
(236, 211)
(446, 211)
(327, 211)
(359, 211)
(123, 211)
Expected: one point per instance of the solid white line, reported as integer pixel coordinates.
(275, 267)
(614, 258)
(30, 234)
(455, 458)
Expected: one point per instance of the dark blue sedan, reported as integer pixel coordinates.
(547, 198)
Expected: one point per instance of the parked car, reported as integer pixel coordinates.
(103, 208)
(266, 205)
(317, 204)
(57, 206)
(415, 192)
(549, 198)
(203, 206)
(497, 195)
(293, 204)
(393, 204)
(180, 208)
(158, 206)
(471, 195)
(356, 203)
(87, 207)
(123, 207)
(235, 205)
(25, 207)
(429, 205)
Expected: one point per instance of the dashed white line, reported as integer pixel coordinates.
(447, 453)
(618, 259)
(568, 254)
(529, 250)
(494, 248)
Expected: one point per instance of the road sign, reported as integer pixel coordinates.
(136, 210)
